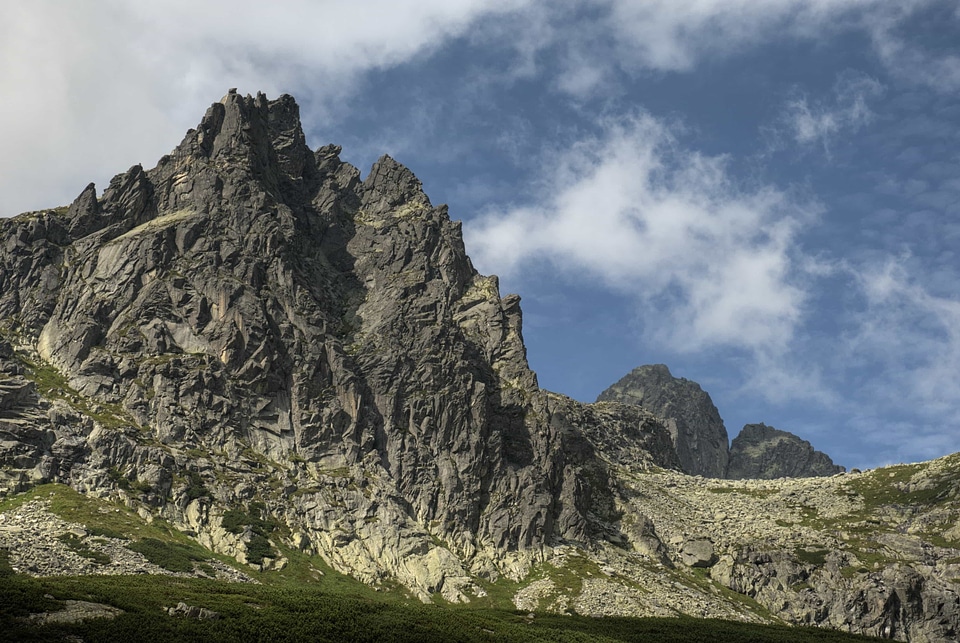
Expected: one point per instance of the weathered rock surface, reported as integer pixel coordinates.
(695, 425)
(761, 451)
(76, 612)
(250, 335)
(865, 553)
(194, 612)
(251, 321)
(42, 544)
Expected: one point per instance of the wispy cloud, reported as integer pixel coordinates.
(912, 333)
(603, 37)
(673, 35)
(102, 87)
(817, 122)
(666, 225)
(902, 352)
(907, 59)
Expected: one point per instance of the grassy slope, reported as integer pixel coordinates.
(305, 601)
(296, 612)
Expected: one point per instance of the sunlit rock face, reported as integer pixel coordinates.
(264, 305)
(285, 359)
(694, 423)
(761, 451)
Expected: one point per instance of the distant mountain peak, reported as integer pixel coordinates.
(696, 428)
(761, 451)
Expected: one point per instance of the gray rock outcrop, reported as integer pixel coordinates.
(763, 452)
(250, 311)
(274, 354)
(694, 423)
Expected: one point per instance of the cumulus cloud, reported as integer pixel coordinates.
(91, 88)
(94, 87)
(631, 207)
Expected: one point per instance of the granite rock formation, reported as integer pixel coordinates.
(263, 305)
(277, 356)
(763, 452)
(695, 425)
(700, 438)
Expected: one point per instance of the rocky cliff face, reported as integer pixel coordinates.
(698, 434)
(763, 452)
(277, 356)
(695, 425)
(249, 305)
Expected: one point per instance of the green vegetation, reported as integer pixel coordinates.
(895, 486)
(195, 487)
(125, 483)
(307, 600)
(106, 533)
(174, 557)
(293, 612)
(51, 384)
(76, 544)
(701, 578)
(744, 491)
(111, 520)
(237, 521)
(812, 556)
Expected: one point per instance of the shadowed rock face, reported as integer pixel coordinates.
(694, 423)
(251, 298)
(763, 452)
(252, 326)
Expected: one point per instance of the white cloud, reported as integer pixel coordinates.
(909, 60)
(95, 87)
(711, 264)
(809, 122)
(602, 36)
(91, 88)
(673, 35)
(913, 334)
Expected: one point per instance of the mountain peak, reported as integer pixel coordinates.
(762, 451)
(696, 428)
(390, 185)
(247, 295)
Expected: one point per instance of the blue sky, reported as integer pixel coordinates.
(762, 194)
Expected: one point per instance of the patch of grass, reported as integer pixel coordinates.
(104, 532)
(76, 544)
(852, 571)
(812, 556)
(869, 553)
(895, 486)
(174, 557)
(298, 613)
(114, 520)
(52, 384)
(744, 491)
(701, 579)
